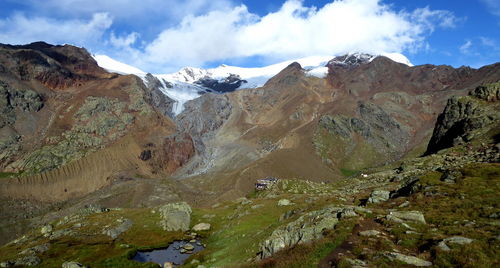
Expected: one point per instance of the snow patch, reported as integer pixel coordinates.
(397, 57)
(115, 66)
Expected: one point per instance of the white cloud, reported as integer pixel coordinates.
(489, 42)
(214, 30)
(131, 11)
(293, 31)
(20, 29)
(493, 6)
(465, 48)
(123, 41)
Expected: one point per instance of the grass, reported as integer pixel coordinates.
(308, 255)
(347, 172)
(93, 249)
(460, 209)
(352, 154)
(238, 229)
(7, 174)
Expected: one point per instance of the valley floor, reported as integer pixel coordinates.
(440, 210)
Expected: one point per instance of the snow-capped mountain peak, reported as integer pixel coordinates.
(190, 82)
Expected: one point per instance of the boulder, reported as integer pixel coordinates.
(168, 265)
(284, 202)
(6, 264)
(378, 196)
(31, 260)
(36, 249)
(306, 228)
(355, 262)
(451, 176)
(47, 230)
(175, 216)
(201, 227)
(188, 247)
(408, 259)
(408, 187)
(369, 233)
(402, 216)
(458, 240)
(347, 213)
(117, 231)
(72, 264)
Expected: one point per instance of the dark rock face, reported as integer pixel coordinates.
(465, 118)
(56, 67)
(350, 60)
(228, 84)
(201, 119)
(145, 155)
(157, 98)
(10, 99)
(14, 104)
(373, 124)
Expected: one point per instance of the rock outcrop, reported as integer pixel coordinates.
(466, 118)
(56, 67)
(175, 216)
(307, 227)
(200, 120)
(158, 99)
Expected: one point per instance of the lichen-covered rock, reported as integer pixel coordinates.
(175, 216)
(98, 121)
(378, 196)
(201, 227)
(118, 230)
(30, 260)
(489, 92)
(307, 227)
(402, 216)
(25, 99)
(284, 202)
(36, 249)
(457, 240)
(369, 233)
(466, 118)
(408, 259)
(47, 230)
(72, 264)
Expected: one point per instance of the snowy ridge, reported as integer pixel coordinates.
(255, 77)
(114, 66)
(184, 85)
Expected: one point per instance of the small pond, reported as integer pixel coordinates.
(176, 253)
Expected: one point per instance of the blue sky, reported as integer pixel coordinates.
(163, 35)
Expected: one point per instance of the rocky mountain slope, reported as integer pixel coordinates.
(75, 138)
(360, 116)
(69, 128)
(439, 210)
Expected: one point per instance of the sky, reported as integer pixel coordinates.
(161, 36)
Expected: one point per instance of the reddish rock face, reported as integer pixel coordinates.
(175, 152)
(383, 74)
